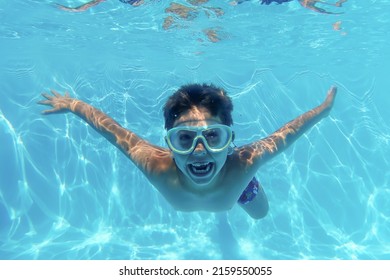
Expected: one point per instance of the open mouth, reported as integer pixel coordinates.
(201, 168)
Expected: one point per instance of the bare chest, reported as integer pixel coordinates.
(221, 197)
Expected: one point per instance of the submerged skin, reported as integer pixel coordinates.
(177, 10)
(311, 4)
(88, 5)
(168, 172)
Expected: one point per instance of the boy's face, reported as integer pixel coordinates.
(201, 166)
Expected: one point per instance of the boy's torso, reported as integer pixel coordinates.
(222, 196)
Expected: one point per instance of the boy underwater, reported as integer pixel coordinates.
(202, 170)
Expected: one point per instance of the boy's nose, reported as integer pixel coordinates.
(200, 148)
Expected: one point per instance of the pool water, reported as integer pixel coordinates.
(66, 193)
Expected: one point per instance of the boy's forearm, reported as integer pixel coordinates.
(101, 122)
(145, 156)
(281, 139)
(291, 131)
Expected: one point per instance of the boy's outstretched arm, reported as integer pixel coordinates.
(259, 152)
(149, 158)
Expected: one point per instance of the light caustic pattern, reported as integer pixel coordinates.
(66, 193)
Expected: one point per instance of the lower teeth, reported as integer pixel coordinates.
(201, 171)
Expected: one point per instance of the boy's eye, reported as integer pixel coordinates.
(211, 134)
(186, 137)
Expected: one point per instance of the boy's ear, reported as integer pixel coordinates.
(230, 150)
(166, 142)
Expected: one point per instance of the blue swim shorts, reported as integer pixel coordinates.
(250, 192)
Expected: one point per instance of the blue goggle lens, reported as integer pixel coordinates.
(184, 139)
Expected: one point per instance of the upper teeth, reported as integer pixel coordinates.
(198, 164)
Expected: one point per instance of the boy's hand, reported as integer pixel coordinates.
(328, 103)
(60, 104)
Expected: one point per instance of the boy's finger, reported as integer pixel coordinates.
(55, 93)
(44, 102)
(47, 96)
(332, 90)
(47, 112)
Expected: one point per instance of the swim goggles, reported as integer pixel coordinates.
(183, 139)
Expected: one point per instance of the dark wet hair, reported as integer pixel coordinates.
(208, 96)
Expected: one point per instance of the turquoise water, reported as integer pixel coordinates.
(66, 193)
